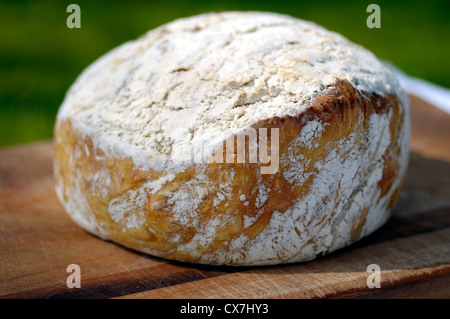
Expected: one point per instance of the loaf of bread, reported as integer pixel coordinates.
(238, 138)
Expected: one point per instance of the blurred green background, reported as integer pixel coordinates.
(40, 57)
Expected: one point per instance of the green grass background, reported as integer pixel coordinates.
(40, 57)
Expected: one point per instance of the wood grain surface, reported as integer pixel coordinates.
(38, 241)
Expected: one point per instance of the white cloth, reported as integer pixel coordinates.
(436, 95)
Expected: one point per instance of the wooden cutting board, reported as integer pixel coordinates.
(38, 241)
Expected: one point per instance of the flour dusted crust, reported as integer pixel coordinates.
(126, 136)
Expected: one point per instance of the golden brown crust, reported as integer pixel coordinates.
(342, 109)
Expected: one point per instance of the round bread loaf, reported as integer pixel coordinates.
(239, 138)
